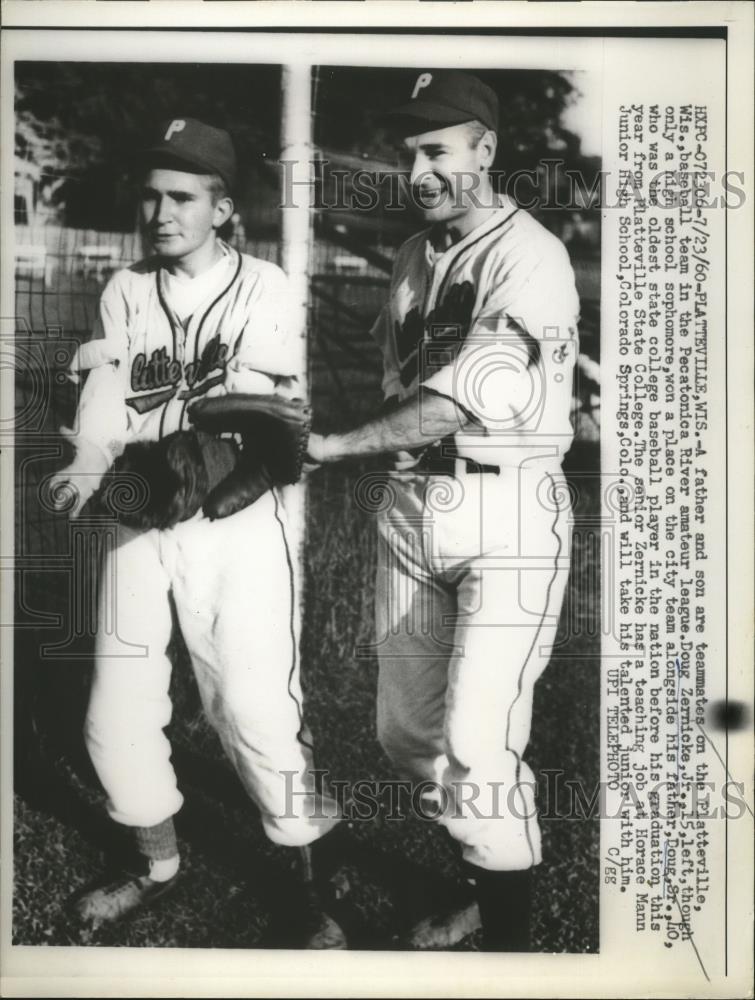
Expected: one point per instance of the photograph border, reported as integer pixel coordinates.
(199, 973)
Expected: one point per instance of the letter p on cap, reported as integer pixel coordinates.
(177, 125)
(423, 80)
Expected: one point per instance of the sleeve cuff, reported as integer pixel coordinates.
(269, 359)
(245, 379)
(93, 354)
(489, 389)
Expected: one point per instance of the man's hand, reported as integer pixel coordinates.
(72, 487)
(316, 451)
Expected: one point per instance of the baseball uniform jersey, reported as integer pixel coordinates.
(158, 344)
(474, 541)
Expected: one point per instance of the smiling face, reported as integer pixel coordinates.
(181, 213)
(449, 178)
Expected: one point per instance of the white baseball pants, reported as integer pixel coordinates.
(231, 583)
(471, 578)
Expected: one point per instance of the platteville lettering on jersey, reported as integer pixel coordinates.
(491, 323)
(160, 371)
(159, 363)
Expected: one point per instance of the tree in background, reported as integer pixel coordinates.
(350, 100)
(83, 122)
(86, 121)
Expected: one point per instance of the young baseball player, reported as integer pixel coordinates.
(196, 319)
(479, 342)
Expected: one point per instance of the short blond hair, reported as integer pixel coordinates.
(475, 131)
(216, 186)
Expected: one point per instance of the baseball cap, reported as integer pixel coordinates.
(447, 97)
(199, 147)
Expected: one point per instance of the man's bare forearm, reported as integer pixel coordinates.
(417, 421)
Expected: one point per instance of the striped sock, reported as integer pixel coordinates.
(158, 843)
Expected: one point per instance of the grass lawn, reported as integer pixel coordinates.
(236, 884)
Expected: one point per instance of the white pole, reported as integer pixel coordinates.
(297, 154)
(296, 157)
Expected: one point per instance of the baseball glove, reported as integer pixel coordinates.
(274, 430)
(156, 484)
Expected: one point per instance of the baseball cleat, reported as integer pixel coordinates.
(322, 932)
(442, 931)
(326, 936)
(119, 898)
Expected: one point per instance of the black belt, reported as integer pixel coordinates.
(439, 461)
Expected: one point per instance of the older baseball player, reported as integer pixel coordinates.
(479, 339)
(198, 318)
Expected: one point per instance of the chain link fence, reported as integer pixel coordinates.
(60, 274)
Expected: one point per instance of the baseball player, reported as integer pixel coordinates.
(479, 341)
(197, 319)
